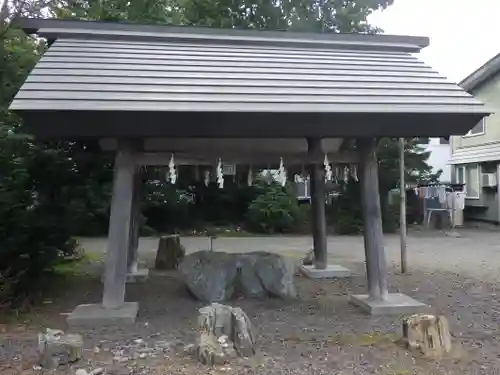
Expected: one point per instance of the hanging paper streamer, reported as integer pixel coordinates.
(337, 174)
(206, 177)
(354, 172)
(250, 177)
(220, 175)
(328, 169)
(346, 174)
(172, 174)
(282, 173)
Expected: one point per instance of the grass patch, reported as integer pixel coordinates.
(59, 279)
(77, 267)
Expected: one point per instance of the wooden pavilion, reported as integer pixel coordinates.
(244, 96)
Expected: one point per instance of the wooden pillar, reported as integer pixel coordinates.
(318, 207)
(402, 206)
(376, 267)
(135, 227)
(115, 275)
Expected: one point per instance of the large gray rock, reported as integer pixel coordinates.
(217, 276)
(209, 275)
(276, 275)
(247, 282)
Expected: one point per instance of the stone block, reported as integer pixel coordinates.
(95, 315)
(139, 276)
(395, 304)
(332, 271)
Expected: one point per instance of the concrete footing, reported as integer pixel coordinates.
(139, 276)
(95, 315)
(332, 271)
(396, 304)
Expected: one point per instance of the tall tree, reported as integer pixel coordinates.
(416, 168)
(297, 15)
(33, 234)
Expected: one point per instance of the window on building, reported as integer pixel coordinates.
(469, 175)
(476, 130)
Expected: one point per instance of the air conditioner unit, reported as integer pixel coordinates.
(489, 180)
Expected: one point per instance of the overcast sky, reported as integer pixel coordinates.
(464, 33)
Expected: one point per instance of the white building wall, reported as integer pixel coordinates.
(440, 158)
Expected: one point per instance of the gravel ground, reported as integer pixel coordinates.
(318, 334)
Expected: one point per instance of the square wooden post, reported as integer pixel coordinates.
(376, 268)
(119, 227)
(134, 273)
(321, 269)
(378, 301)
(132, 258)
(318, 219)
(114, 310)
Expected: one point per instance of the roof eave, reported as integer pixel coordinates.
(478, 77)
(52, 29)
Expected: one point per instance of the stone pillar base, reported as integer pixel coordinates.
(332, 271)
(139, 276)
(96, 315)
(396, 304)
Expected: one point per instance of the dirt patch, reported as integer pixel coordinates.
(320, 333)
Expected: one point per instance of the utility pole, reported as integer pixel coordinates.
(402, 205)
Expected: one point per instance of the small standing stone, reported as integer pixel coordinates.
(225, 333)
(429, 334)
(309, 258)
(243, 339)
(210, 352)
(57, 348)
(170, 253)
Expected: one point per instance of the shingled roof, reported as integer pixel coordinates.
(109, 68)
(481, 75)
